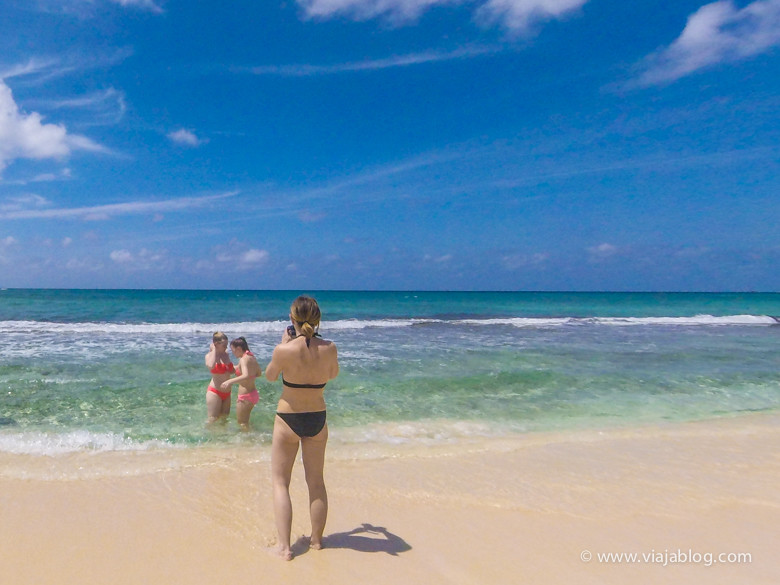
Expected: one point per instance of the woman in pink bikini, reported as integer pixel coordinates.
(305, 362)
(248, 369)
(219, 364)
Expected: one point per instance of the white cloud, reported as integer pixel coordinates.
(602, 251)
(253, 257)
(142, 260)
(311, 216)
(5, 246)
(37, 70)
(25, 135)
(23, 202)
(87, 8)
(121, 256)
(63, 175)
(84, 265)
(115, 209)
(438, 259)
(307, 70)
(185, 138)
(515, 15)
(716, 33)
(367, 9)
(143, 4)
(521, 15)
(236, 253)
(35, 67)
(517, 261)
(103, 107)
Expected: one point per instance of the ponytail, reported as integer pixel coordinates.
(306, 313)
(240, 342)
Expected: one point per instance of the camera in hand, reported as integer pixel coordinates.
(291, 331)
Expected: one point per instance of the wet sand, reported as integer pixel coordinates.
(534, 508)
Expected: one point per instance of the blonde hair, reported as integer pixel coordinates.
(306, 313)
(219, 337)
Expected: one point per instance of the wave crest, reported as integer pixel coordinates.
(264, 327)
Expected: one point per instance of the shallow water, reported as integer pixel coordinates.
(123, 370)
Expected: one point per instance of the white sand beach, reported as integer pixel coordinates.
(697, 502)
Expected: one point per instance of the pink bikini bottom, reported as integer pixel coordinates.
(252, 397)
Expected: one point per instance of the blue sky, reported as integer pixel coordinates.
(390, 144)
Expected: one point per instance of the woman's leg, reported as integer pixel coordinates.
(215, 406)
(243, 410)
(284, 448)
(313, 452)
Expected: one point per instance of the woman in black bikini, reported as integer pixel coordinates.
(306, 363)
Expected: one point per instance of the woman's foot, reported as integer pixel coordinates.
(279, 551)
(285, 553)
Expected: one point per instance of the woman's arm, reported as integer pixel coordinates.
(211, 357)
(248, 374)
(334, 368)
(274, 368)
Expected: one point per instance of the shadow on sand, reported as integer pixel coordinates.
(364, 538)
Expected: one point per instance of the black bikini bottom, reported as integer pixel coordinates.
(304, 424)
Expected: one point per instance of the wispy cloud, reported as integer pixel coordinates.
(87, 8)
(515, 15)
(36, 67)
(398, 10)
(235, 253)
(104, 107)
(410, 59)
(99, 212)
(142, 4)
(143, 260)
(63, 175)
(521, 16)
(185, 137)
(39, 70)
(716, 33)
(24, 202)
(240, 255)
(602, 252)
(516, 261)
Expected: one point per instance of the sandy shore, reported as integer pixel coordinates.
(526, 509)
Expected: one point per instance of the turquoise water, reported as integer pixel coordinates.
(123, 370)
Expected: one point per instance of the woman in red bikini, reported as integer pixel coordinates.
(248, 369)
(219, 364)
(306, 362)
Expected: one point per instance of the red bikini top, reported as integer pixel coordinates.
(238, 369)
(223, 368)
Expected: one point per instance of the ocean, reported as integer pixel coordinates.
(85, 371)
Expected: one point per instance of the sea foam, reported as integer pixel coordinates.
(266, 327)
(54, 444)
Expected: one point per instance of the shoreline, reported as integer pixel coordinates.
(507, 510)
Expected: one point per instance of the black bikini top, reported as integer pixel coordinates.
(291, 385)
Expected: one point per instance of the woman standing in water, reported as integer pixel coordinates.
(219, 364)
(306, 362)
(248, 369)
